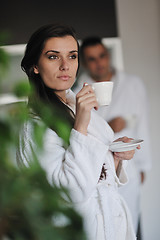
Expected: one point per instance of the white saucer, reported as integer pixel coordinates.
(122, 146)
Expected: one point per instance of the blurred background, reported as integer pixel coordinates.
(132, 31)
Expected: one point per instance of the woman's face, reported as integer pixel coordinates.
(58, 63)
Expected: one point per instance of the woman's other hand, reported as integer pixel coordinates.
(85, 101)
(127, 155)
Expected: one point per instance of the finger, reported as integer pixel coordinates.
(86, 96)
(125, 155)
(85, 84)
(121, 139)
(126, 139)
(87, 101)
(90, 102)
(85, 90)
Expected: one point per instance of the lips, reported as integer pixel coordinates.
(64, 77)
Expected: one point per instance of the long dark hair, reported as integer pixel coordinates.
(31, 57)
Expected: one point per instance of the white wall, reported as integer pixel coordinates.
(139, 29)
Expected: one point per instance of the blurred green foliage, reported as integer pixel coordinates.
(4, 62)
(30, 208)
(4, 56)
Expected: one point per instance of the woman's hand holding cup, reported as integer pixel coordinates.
(85, 101)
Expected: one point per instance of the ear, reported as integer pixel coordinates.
(36, 71)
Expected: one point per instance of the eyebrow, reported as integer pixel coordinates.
(73, 51)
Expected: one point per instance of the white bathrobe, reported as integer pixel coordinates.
(129, 101)
(78, 168)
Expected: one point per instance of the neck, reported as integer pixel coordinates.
(61, 96)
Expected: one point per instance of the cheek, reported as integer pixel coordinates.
(106, 62)
(46, 70)
(91, 66)
(44, 73)
(94, 67)
(47, 76)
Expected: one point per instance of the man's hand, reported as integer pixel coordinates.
(142, 177)
(117, 124)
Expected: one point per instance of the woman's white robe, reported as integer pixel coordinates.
(78, 168)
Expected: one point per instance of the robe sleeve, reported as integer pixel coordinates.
(121, 174)
(77, 167)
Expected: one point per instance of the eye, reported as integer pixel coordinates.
(53, 57)
(103, 55)
(73, 56)
(91, 59)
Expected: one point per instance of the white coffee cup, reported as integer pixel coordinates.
(103, 91)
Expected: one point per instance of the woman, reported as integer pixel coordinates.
(90, 171)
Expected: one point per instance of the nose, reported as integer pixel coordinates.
(98, 61)
(64, 65)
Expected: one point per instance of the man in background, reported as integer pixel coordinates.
(127, 115)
